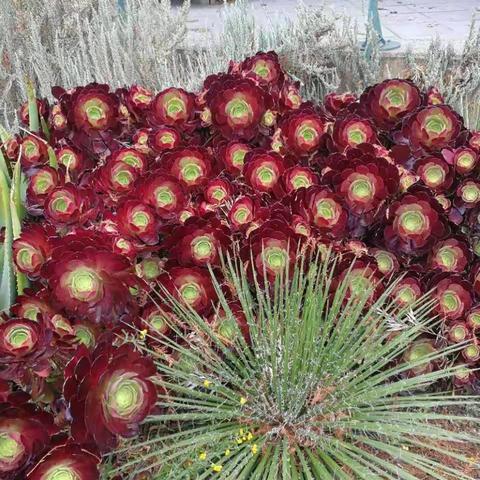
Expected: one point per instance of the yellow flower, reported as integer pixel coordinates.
(254, 449)
(243, 400)
(227, 452)
(143, 334)
(203, 456)
(249, 436)
(216, 468)
(207, 383)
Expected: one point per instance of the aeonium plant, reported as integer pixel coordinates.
(129, 189)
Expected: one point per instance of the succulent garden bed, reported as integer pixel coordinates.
(138, 221)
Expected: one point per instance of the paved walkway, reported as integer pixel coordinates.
(412, 22)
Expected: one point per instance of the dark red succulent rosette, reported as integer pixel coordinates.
(33, 248)
(263, 170)
(453, 295)
(109, 393)
(231, 324)
(475, 278)
(116, 178)
(86, 333)
(218, 191)
(464, 376)
(365, 182)
(243, 212)
(418, 353)
(463, 159)
(467, 194)
(33, 305)
(435, 173)
(42, 108)
(41, 181)
(473, 318)
(34, 152)
(471, 353)
(302, 131)
(137, 220)
(163, 192)
(271, 249)
(191, 166)
(24, 349)
(414, 223)
(140, 141)
(137, 99)
(125, 246)
(131, 157)
(363, 275)
(432, 128)
(58, 121)
(387, 262)
(69, 204)
(300, 226)
(457, 331)
(87, 280)
(73, 160)
(450, 255)
(156, 321)
(290, 97)
(263, 68)
(297, 177)
(11, 147)
(25, 434)
(164, 138)
(323, 209)
(389, 101)
(232, 156)
(433, 96)
(474, 140)
(91, 109)
(237, 106)
(191, 285)
(336, 102)
(199, 241)
(149, 268)
(69, 461)
(351, 131)
(173, 107)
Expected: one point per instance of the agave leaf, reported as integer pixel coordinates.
(4, 167)
(34, 119)
(18, 212)
(17, 201)
(4, 134)
(52, 158)
(45, 129)
(7, 275)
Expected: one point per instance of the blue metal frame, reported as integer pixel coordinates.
(374, 21)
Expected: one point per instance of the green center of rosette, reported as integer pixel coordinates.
(84, 284)
(202, 247)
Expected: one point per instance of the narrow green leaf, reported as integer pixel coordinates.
(7, 276)
(45, 129)
(4, 167)
(33, 116)
(17, 203)
(52, 158)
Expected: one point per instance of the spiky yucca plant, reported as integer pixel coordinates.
(320, 392)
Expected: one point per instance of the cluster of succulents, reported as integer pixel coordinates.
(129, 190)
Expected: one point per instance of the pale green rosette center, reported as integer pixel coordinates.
(84, 284)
